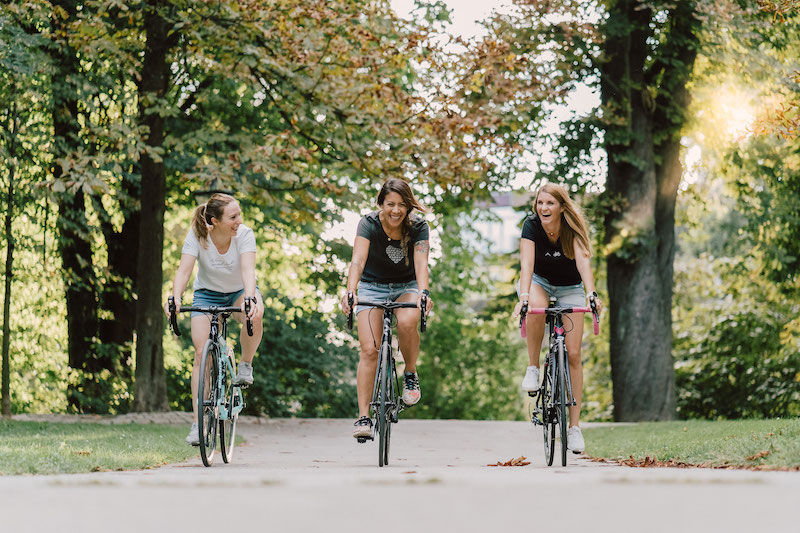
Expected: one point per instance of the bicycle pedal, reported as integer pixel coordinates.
(533, 393)
(536, 421)
(362, 440)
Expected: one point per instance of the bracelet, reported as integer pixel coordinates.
(524, 294)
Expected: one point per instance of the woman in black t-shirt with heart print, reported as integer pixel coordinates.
(390, 262)
(554, 262)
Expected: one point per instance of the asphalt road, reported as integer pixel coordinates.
(311, 475)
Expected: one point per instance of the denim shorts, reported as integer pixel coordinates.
(207, 298)
(565, 295)
(381, 292)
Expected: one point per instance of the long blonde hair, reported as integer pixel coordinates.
(213, 208)
(573, 223)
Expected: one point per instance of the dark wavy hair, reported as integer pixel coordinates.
(404, 190)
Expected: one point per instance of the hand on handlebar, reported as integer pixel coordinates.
(428, 306)
(597, 302)
(167, 306)
(518, 309)
(345, 305)
(256, 310)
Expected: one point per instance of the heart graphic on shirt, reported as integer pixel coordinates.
(395, 254)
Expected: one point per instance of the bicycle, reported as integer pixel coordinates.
(385, 405)
(219, 398)
(554, 397)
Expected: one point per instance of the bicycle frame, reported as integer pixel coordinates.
(217, 335)
(386, 364)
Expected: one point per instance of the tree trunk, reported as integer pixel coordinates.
(12, 149)
(151, 388)
(643, 177)
(74, 240)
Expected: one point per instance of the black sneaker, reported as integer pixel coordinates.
(363, 427)
(411, 392)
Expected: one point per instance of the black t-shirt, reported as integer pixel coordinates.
(386, 261)
(550, 261)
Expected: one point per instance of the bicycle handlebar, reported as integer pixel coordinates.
(390, 305)
(214, 310)
(558, 311)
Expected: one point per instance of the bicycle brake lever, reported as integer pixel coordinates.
(423, 321)
(249, 322)
(350, 300)
(173, 319)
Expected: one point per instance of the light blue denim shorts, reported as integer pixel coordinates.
(565, 295)
(207, 298)
(381, 292)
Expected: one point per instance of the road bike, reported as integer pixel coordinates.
(219, 397)
(554, 396)
(385, 405)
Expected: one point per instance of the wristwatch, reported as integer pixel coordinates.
(425, 292)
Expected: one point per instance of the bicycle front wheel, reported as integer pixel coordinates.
(548, 422)
(561, 406)
(383, 412)
(207, 411)
(227, 426)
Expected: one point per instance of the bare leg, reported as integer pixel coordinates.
(536, 323)
(573, 342)
(249, 344)
(407, 334)
(201, 326)
(370, 329)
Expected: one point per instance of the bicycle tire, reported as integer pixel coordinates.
(562, 403)
(383, 419)
(227, 427)
(548, 426)
(394, 402)
(207, 411)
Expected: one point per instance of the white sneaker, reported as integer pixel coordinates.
(193, 437)
(575, 440)
(530, 382)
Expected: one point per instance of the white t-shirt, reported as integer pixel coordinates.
(216, 271)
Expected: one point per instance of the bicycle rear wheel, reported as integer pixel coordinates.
(207, 411)
(548, 425)
(227, 427)
(383, 412)
(561, 406)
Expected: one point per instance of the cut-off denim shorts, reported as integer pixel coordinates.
(565, 295)
(207, 298)
(381, 292)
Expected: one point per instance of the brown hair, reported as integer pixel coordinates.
(204, 213)
(574, 223)
(404, 190)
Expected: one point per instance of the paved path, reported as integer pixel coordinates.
(310, 475)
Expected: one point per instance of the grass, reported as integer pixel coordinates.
(51, 448)
(762, 444)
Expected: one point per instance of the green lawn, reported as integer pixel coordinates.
(771, 444)
(48, 448)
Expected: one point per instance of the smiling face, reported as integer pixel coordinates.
(231, 218)
(393, 210)
(548, 208)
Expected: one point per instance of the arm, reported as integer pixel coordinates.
(181, 279)
(248, 266)
(527, 256)
(359, 261)
(584, 267)
(421, 252)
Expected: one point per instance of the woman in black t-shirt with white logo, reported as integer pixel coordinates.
(390, 262)
(554, 259)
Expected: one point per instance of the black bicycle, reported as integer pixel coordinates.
(219, 397)
(554, 397)
(385, 405)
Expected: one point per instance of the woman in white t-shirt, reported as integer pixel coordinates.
(225, 250)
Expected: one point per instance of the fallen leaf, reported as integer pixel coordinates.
(759, 455)
(519, 461)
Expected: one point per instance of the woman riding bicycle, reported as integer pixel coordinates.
(554, 262)
(390, 262)
(225, 251)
